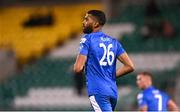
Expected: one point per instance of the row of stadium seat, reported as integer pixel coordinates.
(32, 41)
(58, 73)
(136, 43)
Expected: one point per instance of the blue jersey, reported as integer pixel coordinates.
(154, 99)
(101, 51)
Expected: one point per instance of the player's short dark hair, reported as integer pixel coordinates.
(146, 74)
(99, 15)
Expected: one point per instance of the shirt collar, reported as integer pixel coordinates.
(98, 32)
(150, 87)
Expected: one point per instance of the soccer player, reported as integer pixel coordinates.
(98, 54)
(152, 99)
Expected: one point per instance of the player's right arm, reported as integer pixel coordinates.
(123, 57)
(172, 106)
(128, 65)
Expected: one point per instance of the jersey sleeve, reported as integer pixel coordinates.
(84, 45)
(120, 49)
(141, 100)
(166, 96)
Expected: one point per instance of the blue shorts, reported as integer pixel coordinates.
(103, 103)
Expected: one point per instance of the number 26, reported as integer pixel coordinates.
(107, 53)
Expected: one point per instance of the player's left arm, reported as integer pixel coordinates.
(172, 106)
(79, 64)
(142, 103)
(143, 108)
(82, 56)
(128, 65)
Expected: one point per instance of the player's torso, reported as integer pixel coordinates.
(101, 64)
(156, 100)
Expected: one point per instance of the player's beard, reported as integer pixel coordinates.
(88, 29)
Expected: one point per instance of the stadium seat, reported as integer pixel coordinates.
(31, 42)
(132, 42)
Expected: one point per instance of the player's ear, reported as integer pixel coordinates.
(96, 24)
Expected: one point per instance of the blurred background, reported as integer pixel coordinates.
(39, 42)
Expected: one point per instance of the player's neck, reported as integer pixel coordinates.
(148, 86)
(98, 29)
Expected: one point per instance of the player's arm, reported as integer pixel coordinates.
(142, 102)
(143, 108)
(128, 65)
(172, 106)
(79, 64)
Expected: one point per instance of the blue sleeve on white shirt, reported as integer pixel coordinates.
(84, 45)
(141, 100)
(120, 49)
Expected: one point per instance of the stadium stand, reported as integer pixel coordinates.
(31, 41)
(47, 74)
(134, 41)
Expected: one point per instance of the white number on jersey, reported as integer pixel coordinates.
(159, 97)
(107, 54)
